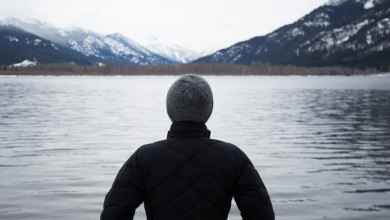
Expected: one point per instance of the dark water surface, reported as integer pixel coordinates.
(321, 144)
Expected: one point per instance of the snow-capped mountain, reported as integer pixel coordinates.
(341, 32)
(17, 45)
(99, 48)
(172, 51)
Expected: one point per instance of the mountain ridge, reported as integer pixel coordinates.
(100, 48)
(340, 32)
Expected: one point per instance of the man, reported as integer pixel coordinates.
(188, 176)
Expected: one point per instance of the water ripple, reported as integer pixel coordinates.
(321, 144)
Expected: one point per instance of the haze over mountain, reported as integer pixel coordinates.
(341, 32)
(172, 51)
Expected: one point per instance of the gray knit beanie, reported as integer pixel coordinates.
(190, 99)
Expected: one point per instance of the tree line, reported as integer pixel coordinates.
(110, 68)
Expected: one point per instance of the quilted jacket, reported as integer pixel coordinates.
(188, 176)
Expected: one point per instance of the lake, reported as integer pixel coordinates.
(320, 144)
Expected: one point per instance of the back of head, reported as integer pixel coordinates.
(190, 99)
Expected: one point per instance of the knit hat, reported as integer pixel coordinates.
(190, 99)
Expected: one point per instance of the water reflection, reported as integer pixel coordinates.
(346, 133)
(327, 142)
(357, 126)
(321, 144)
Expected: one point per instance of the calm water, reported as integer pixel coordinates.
(321, 144)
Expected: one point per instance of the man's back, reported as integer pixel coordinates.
(189, 176)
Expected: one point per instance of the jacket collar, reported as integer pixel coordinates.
(187, 129)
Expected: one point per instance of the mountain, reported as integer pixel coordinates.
(341, 32)
(98, 48)
(17, 45)
(172, 51)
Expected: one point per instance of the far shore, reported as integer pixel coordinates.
(5, 74)
(113, 69)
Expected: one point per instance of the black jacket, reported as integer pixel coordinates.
(188, 176)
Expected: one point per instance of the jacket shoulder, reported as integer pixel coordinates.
(228, 150)
(154, 146)
(226, 146)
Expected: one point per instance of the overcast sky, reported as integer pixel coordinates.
(195, 24)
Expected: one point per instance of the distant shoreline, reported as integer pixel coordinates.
(28, 73)
(208, 74)
(221, 75)
(113, 69)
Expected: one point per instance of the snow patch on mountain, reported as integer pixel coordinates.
(25, 63)
(120, 44)
(367, 4)
(13, 38)
(296, 32)
(52, 45)
(337, 36)
(335, 2)
(372, 3)
(37, 41)
(119, 48)
(319, 20)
